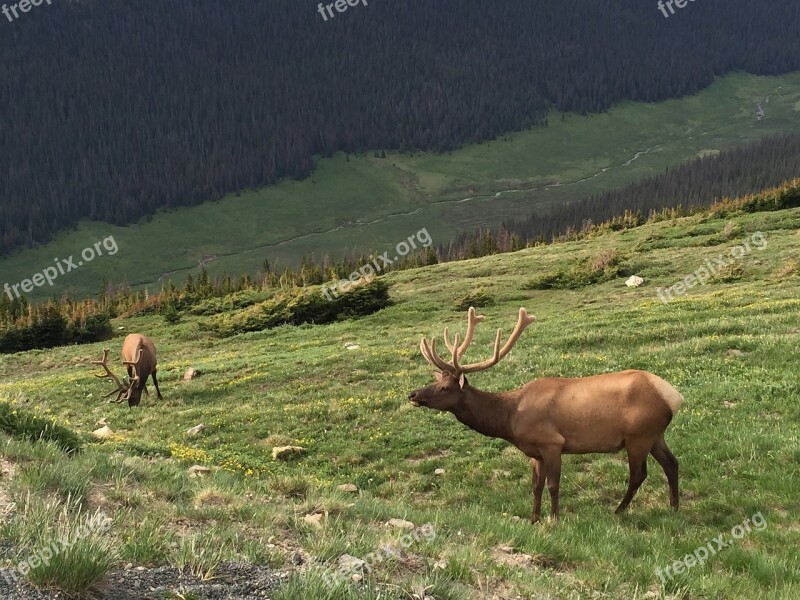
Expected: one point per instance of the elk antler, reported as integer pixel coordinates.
(429, 352)
(472, 321)
(523, 320)
(458, 349)
(121, 388)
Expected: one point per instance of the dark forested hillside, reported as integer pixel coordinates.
(694, 185)
(112, 109)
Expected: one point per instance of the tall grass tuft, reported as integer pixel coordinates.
(201, 555)
(62, 547)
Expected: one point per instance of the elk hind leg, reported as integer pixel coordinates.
(637, 465)
(669, 463)
(155, 382)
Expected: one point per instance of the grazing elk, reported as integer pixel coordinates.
(139, 356)
(553, 416)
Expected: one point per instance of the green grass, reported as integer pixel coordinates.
(730, 348)
(65, 548)
(364, 202)
(18, 421)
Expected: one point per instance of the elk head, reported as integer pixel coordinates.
(447, 392)
(126, 391)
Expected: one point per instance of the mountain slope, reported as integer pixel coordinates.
(729, 346)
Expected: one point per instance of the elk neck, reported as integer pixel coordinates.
(487, 413)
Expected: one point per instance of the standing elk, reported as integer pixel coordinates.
(139, 357)
(552, 416)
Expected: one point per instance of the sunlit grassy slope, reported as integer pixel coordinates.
(366, 202)
(730, 348)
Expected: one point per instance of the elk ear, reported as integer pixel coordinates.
(462, 381)
(437, 375)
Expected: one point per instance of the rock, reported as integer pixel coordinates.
(196, 430)
(102, 422)
(634, 281)
(198, 471)
(400, 524)
(103, 433)
(351, 346)
(507, 555)
(350, 563)
(191, 374)
(285, 452)
(734, 352)
(348, 487)
(439, 472)
(314, 519)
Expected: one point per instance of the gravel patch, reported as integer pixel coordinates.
(232, 581)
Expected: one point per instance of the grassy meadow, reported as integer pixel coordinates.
(364, 202)
(729, 346)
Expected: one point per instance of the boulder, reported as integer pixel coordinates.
(314, 519)
(198, 471)
(400, 524)
(196, 430)
(634, 281)
(103, 433)
(285, 452)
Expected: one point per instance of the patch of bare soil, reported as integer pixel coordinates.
(507, 555)
(7, 470)
(432, 456)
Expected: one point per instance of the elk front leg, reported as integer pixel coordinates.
(551, 460)
(538, 487)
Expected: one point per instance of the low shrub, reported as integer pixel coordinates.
(595, 269)
(729, 274)
(235, 301)
(296, 306)
(790, 267)
(476, 298)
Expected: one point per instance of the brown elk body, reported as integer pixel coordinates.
(553, 416)
(139, 358)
